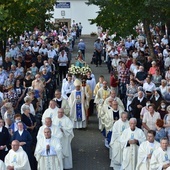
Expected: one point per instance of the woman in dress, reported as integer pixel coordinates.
(20, 91)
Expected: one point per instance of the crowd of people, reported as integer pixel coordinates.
(133, 108)
(37, 118)
(37, 100)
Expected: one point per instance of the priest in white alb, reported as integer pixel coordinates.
(160, 159)
(51, 111)
(145, 151)
(62, 103)
(79, 103)
(130, 140)
(55, 131)
(48, 152)
(66, 127)
(2, 165)
(100, 97)
(115, 146)
(17, 158)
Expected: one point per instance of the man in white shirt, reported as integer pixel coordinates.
(62, 60)
(149, 87)
(67, 87)
(166, 52)
(51, 53)
(43, 51)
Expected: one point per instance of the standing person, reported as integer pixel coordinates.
(78, 102)
(100, 97)
(111, 116)
(2, 165)
(117, 130)
(25, 140)
(55, 131)
(123, 75)
(91, 81)
(82, 47)
(149, 87)
(38, 86)
(4, 140)
(137, 104)
(62, 103)
(167, 122)
(50, 111)
(17, 158)
(66, 127)
(161, 156)
(114, 81)
(80, 28)
(146, 150)
(150, 118)
(48, 152)
(98, 48)
(130, 92)
(160, 133)
(130, 140)
(98, 85)
(62, 60)
(67, 87)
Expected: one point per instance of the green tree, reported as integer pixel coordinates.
(122, 16)
(16, 16)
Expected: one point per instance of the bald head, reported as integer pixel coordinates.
(47, 132)
(60, 112)
(48, 121)
(15, 145)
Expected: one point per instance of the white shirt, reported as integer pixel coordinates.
(43, 50)
(63, 59)
(149, 87)
(51, 53)
(0, 129)
(20, 132)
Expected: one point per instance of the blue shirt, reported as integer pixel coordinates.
(81, 46)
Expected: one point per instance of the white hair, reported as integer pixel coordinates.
(133, 119)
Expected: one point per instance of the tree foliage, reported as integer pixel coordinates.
(122, 16)
(17, 16)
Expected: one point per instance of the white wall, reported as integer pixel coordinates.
(80, 12)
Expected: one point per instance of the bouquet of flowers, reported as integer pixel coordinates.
(74, 70)
(85, 69)
(77, 71)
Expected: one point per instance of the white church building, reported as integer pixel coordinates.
(66, 11)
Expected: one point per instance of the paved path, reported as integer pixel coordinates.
(89, 152)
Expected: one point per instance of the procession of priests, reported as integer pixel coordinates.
(129, 147)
